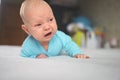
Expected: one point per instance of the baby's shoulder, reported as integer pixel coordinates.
(62, 36)
(29, 41)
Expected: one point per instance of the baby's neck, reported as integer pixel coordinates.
(45, 45)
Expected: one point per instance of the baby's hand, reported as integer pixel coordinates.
(81, 56)
(42, 56)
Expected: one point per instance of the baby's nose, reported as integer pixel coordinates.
(46, 27)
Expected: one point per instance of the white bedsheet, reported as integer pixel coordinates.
(104, 64)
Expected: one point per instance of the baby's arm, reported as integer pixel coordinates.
(72, 48)
(41, 56)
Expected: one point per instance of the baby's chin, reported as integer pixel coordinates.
(45, 41)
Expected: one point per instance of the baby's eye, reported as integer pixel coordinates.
(51, 19)
(38, 25)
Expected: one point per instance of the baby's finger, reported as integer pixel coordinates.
(87, 57)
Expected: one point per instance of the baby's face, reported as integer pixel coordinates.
(41, 23)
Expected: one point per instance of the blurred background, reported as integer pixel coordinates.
(90, 23)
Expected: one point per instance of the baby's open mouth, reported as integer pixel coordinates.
(48, 34)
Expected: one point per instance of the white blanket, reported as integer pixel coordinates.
(104, 64)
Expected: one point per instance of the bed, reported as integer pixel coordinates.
(104, 64)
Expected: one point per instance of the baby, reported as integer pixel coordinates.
(44, 40)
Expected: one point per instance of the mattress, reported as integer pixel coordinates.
(104, 64)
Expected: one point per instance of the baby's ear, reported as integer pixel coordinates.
(25, 28)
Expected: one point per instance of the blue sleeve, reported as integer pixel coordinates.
(70, 46)
(26, 53)
(28, 48)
